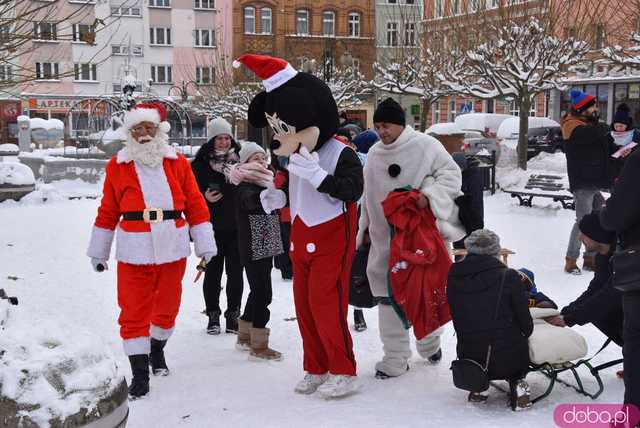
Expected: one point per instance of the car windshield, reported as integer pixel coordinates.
(472, 134)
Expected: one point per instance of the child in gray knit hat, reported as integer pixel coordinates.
(483, 241)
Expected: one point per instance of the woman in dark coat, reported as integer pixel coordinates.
(211, 167)
(473, 292)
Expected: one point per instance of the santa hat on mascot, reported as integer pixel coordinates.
(273, 71)
(153, 112)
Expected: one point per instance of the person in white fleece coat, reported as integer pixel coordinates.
(404, 157)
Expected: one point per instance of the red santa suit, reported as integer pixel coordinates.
(151, 254)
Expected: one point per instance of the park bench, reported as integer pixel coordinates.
(553, 187)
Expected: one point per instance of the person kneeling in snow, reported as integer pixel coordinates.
(259, 241)
(147, 189)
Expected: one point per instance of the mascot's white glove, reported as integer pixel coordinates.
(305, 165)
(99, 265)
(272, 199)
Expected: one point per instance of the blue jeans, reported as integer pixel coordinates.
(586, 200)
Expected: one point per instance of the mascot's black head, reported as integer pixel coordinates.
(298, 107)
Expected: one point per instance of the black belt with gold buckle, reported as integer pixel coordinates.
(152, 215)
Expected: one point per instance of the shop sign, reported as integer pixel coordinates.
(50, 104)
(10, 110)
(634, 91)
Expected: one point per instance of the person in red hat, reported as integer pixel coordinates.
(151, 201)
(325, 182)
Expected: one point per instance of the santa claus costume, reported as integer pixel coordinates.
(325, 181)
(152, 203)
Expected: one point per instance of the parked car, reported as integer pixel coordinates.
(546, 139)
(476, 141)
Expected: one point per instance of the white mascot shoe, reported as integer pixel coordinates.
(310, 383)
(338, 386)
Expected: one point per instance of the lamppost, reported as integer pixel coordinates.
(183, 89)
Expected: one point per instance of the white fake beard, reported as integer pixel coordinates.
(151, 152)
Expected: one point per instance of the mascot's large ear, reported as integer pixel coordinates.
(257, 119)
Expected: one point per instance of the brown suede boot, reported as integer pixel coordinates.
(571, 267)
(244, 336)
(589, 263)
(260, 346)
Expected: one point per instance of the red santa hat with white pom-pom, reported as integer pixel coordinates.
(273, 71)
(147, 112)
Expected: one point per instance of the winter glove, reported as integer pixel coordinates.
(272, 199)
(208, 256)
(305, 165)
(99, 265)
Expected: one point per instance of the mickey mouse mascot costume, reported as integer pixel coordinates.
(325, 181)
(151, 201)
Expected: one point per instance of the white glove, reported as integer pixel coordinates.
(305, 165)
(208, 256)
(99, 265)
(272, 199)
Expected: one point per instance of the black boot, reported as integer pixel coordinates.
(435, 358)
(358, 319)
(156, 358)
(140, 380)
(232, 321)
(213, 327)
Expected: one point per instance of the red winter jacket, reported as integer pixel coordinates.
(418, 263)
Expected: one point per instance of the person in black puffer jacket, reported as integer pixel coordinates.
(211, 167)
(622, 215)
(473, 293)
(588, 145)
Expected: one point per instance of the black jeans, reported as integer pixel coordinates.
(282, 261)
(256, 309)
(228, 259)
(631, 348)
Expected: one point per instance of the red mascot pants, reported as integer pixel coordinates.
(149, 298)
(321, 258)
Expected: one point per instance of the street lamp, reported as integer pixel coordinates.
(183, 89)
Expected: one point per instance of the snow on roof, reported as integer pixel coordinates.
(37, 122)
(447, 128)
(510, 127)
(481, 121)
(16, 174)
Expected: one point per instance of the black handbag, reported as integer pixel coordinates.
(359, 291)
(626, 270)
(470, 375)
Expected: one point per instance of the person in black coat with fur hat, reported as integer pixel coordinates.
(211, 167)
(473, 295)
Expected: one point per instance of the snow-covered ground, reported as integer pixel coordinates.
(212, 384)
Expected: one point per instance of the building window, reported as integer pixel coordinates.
(600, 36)
(436, 112)
(473, 5)
(204, 4)
(117, 87)
(392, 34)
(392, 1)
(85, 72)
(302, 22)
(452, 109)
(159, 3)
(160, 36)
(409, 2)
(328, 23)
(80, 32)
(47, 71)
(438, 9)
(354, 24)
(455, 7)
(126, 11)
(410, 34)
(514, 108)
(6, 73)
(205, 75)
(205, 38)
(249, 20)
(492, 4)
(136, 50)
(265, 20)
(45, 31)
(161, 74)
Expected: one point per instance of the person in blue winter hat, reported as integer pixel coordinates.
(588, 146)
(364, 140)
(537, 299)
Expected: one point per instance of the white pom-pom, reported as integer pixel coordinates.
(164, 127)
(236, 63)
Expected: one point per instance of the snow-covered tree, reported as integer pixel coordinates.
(348, 85)
(629, 56)
(518, 60)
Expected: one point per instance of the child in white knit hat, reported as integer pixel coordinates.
(259, 241)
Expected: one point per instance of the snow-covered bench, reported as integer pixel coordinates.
(553, 187)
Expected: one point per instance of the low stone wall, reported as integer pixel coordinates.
(51, 168)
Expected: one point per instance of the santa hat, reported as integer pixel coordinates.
(147, 112)
(273, 71)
